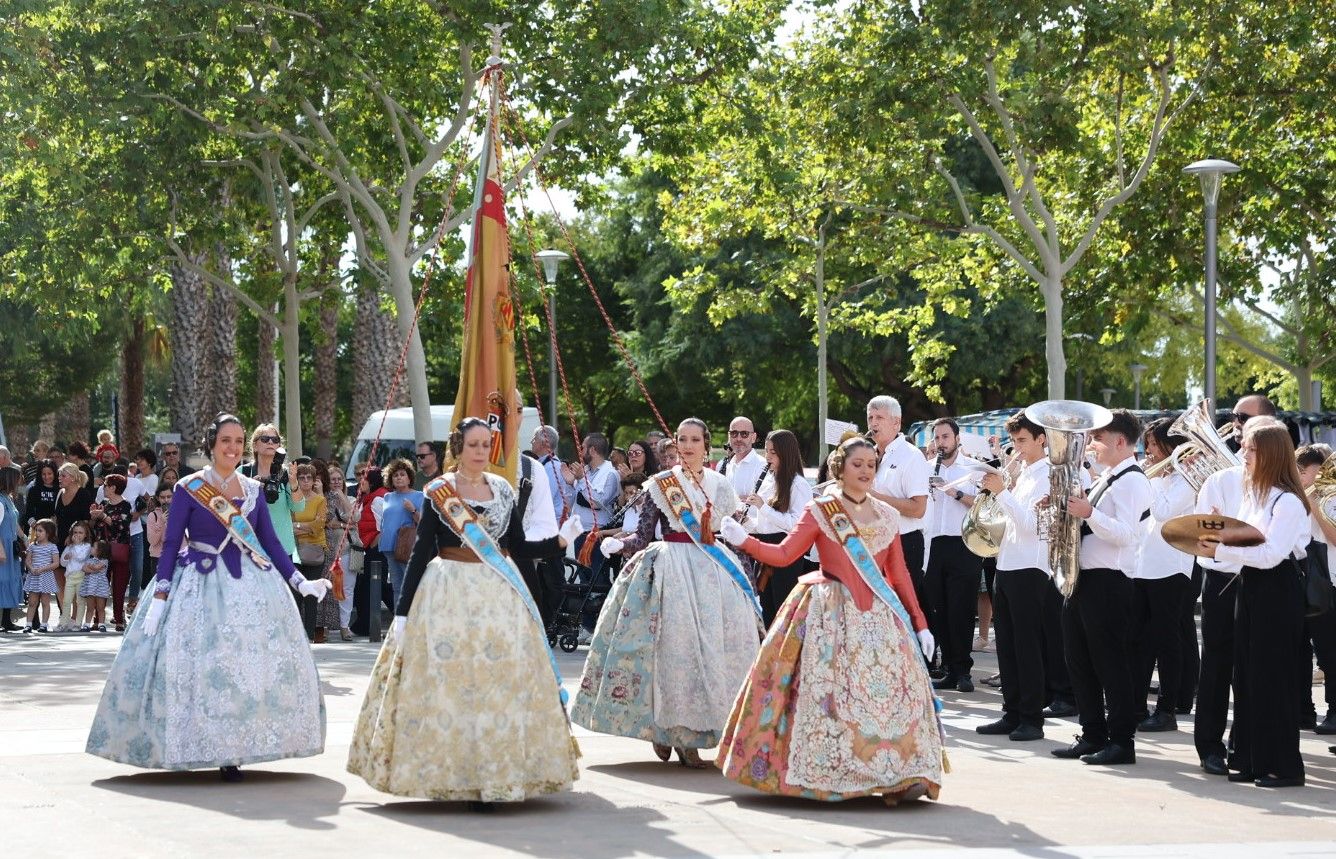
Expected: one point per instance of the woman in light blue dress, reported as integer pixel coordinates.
(215, 671)
(11, 568)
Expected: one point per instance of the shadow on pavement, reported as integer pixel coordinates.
(298, 799)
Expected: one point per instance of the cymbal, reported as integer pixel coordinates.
(1183, 532)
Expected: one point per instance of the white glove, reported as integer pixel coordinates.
(314, 588)
(570, 529)
(154, 617)
(926, 643)
(610, 546)
(732, 532)
(400, 621)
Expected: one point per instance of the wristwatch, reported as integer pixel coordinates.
(959, 495)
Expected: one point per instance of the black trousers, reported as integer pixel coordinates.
(1018, 624)
(952, 581)
(551, 576)
(912, 544)
(1095, 623)
(1057, 681)
(1157, 609)
(1219, 594)
(1319, 640)
(1268, 627)
(780, 582)
(363, 603)
(1187, 642)
(308, 606)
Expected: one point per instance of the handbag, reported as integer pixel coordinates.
(404, 539)
(311, 553)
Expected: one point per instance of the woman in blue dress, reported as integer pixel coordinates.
(215, 671)
(11, 568)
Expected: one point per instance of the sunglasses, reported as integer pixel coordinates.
(740, 433)
(1240, 418)
(269, 439)
(424, 455)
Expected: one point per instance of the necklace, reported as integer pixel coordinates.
(471, 481)
(857, 505)
(213, 477)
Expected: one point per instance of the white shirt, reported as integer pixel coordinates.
(1222, 492)
(743, 475)
(903, 473)
(134, 487)
(1281, 519)
(150, 482)
(1116, 524)
(768, 520)
(606, 485)
(72, 559)
(1021, 547)
(540, 520)
(945, 513)
(1173, 496)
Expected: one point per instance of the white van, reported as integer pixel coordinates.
(396, 437)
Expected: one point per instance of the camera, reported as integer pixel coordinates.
(277, 476)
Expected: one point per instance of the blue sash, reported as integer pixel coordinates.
(677, 499)
(238, 526)
(456, 513)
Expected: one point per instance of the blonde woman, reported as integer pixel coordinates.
(281, 492)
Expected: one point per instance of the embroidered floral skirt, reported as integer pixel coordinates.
(227, 680)
(837, 705)
(673, 644)
(465, 705)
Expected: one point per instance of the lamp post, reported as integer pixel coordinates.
(550, 260)
(1138, 370)
(1210, 171)
(1107, 394)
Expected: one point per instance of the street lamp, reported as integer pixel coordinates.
(550, 260)
(1138, 370)
(1210, 171)
(1107, 394)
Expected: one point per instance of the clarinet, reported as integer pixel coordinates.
(619, 515)
(741, 513)
(936, 474)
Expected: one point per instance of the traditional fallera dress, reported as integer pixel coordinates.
(838, 703)
(465, 705)
(679, 630)
(228, 678)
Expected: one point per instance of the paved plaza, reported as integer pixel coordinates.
(1000, 799)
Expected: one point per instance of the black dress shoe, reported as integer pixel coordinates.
(1214, 765)
(1158, 721)
(1025, 733)
(1279, 781)
(1242, 776)
(1059, 709)
(1001, 726)
(1327, 725)
(1113, 753)
(1082, 746)
(965, 684)
(1308, 722)
(947, 682)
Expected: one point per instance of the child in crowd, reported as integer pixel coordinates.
(155, 527)
(106, 442)
(40, 583)
(96, 588)
(77, 549)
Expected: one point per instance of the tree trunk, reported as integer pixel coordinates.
(415, 367)
(76, 421)
(222, 344)
(1051, 289)
(265, 383)
(188, 398)
(19, 441)
(375, 356)
(46, 428)
(130, 434)
(292, 378)
(326, 374)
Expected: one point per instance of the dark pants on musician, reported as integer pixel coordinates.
(1219, 596)
(953, 593)
(308, 606)
(1018, 624)
(1057, 680)
(1187, 642)
(551, 576)
(774, 584)
(1320, 641)
(1157, 606)
(1095, 624)
(1267, 631)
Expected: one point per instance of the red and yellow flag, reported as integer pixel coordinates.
(487, 369)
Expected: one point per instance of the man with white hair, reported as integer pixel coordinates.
(6, 459)
(902, 482)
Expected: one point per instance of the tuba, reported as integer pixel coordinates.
(1065, 424)
(985, 525)
(1205, 452)
(1323, 491)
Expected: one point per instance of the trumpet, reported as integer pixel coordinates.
(1205, 451)
(1161, 467)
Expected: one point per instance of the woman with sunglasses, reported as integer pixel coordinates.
(215, 670)
(281, 491)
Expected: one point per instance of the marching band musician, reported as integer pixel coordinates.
(1270, 610)
(1095, 618)
(902, 482)
(1160, 584)
(1320, 631)
(775, 513)
(1021, 587)
(953, 574)
(744, 467)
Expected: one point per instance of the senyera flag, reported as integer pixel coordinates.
(487, 370)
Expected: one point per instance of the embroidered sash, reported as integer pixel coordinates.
(238, 527)
(680, 504)
(456, 513)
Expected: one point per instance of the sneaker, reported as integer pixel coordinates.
(980, 645)
(101, 627)
(345, 634)
(86, 628)
(27, 629)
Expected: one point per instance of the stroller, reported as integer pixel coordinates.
(580, 596)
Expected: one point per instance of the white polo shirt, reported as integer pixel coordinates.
(903, 473)
(1021, 547)
(743, 475)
